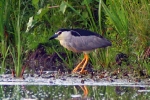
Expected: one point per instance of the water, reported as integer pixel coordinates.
(56, 92)
(70, 88)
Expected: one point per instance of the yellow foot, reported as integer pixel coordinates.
(84, 72)
(81, 65)
(75, 70)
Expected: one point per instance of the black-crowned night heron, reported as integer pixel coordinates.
(79, 40)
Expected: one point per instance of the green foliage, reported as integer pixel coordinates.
(130, 23)
(25, 24)
(3, 43)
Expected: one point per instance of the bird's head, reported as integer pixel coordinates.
(61, 34)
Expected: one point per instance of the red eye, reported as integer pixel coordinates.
(59, 32)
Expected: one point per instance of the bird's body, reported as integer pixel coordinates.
(79, 40)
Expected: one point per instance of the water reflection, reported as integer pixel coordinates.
(24, 92)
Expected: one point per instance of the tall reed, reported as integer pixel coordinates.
(3, 34)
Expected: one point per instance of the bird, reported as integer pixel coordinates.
(80, 40)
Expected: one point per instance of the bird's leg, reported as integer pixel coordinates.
(85, 90)
(79, 65)
(86, 57)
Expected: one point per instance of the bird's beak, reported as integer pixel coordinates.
(53, 37)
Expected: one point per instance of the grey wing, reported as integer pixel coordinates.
(87, 43)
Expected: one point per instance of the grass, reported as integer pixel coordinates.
(19, 46)
(125, 23)
(3, 43)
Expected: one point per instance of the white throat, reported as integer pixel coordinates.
(64, 36)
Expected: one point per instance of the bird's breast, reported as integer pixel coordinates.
(66, 44)
(63, 43)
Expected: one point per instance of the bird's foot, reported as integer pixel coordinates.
(75, 70)
(83, 72)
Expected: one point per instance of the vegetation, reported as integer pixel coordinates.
(26, 23)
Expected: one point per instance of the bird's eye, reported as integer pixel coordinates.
(59, 32)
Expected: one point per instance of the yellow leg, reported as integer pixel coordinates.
(79, 65)
(86, 57)
(85, 90)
